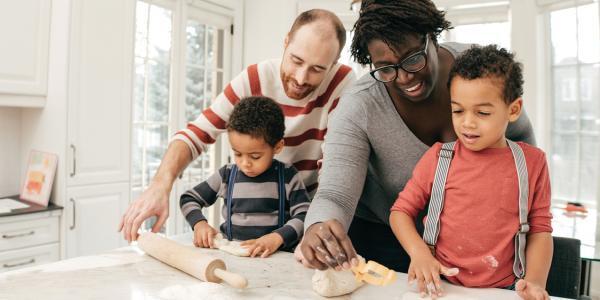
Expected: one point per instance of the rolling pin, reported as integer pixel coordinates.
(186, 259)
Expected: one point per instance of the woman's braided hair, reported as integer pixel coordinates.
(391, 20)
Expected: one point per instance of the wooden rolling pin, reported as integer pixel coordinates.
(186, 259)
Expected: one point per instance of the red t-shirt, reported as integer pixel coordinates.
(481, 209)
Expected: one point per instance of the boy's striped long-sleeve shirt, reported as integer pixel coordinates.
(255, 205)
(305, 119)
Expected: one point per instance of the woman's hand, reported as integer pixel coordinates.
(326, 245)
(528, 290)
(426, 270)
(263, 246)
(204, 235)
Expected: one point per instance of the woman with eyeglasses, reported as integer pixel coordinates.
(382, 126)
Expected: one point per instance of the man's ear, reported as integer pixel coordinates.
(514, 109)
(278, 147)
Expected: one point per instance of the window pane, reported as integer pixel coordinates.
(141, 19)
(210, 57)
(564, 166)
(589, 33)
(563, 25)
(156, 141)
(139, 90)
(589, 93)
(136, 155)
(210, 89)
(195, 43)
(194, 93)
(480, 34)
(590, 166)
(159, 37)
(565, 98)
(158, 91)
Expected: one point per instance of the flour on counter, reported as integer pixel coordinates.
(417, 296)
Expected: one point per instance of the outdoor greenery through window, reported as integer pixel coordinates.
(575, 163)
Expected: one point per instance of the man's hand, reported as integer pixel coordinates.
(326, 245)
(528, 290)
(204, 235)
(263, 246)
(154, 201)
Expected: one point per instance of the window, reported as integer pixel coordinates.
(151, 92)
(575, 65)
(179, 70)
(480, 34)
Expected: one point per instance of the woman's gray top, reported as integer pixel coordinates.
(370, 153)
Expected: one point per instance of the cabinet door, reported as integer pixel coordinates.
(93, 214)
(100, 91)
(25, 31)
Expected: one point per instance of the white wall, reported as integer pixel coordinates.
(10, 151)
(266, 22)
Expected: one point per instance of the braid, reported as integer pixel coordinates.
(391, 20)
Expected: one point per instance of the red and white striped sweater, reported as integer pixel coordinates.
(305, 119)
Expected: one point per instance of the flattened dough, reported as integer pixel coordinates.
(332, 283)
(231, 247)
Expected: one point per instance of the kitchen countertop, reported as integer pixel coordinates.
(127, 273)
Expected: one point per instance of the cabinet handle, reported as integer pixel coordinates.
(73, 221)
(12, 236)
(31, 261)
(74, 170)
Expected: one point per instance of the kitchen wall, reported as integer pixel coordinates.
(10, 150)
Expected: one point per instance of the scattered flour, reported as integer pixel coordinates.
(490, 261)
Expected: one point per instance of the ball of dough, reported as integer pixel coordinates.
(332, 283)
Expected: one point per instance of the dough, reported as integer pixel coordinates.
(231, 247)
(332, 283)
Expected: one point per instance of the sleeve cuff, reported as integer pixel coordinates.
(194, 217)
(288, 234)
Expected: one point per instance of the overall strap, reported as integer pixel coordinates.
(282, 197)
(521, 236)
(229, 198)
(436, 202)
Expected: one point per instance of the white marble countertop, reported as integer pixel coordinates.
(127, 273)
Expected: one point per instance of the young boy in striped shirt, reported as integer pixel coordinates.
(265, 199)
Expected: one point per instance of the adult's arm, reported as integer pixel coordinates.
(346, 157)
(185, 146)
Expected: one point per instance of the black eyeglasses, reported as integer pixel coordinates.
(412, 64)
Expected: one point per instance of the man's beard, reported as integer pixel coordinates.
(293, 93)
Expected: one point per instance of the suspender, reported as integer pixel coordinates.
(281, 190)
(436, 202)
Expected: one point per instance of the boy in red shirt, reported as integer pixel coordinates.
(481, 213)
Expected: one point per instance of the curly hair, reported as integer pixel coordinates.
(490, 62)
(391, 21)
(260, 117)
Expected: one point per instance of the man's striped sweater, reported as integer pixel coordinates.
(305, 119)
(255, 205)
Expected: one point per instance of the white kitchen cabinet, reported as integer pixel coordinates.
(25, 32)
(92, 214)
(100, 91)
(29, 239)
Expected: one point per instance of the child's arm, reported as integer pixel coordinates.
(192, 202)
(538, 256)
(423, 266)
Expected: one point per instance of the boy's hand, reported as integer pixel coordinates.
(266, 244)
(203, 235)
(426, 270)
(530, 291)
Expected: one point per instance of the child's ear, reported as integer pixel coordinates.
(278, 147)
(514, 109)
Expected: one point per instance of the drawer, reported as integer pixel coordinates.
(27, 232)
(27, 257)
